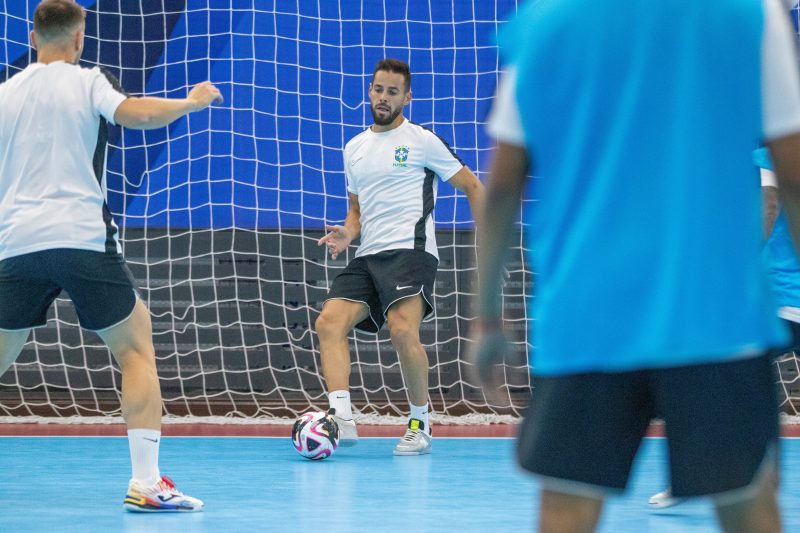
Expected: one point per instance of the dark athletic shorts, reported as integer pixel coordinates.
(99, 284)
(381, 279)
(721, 423)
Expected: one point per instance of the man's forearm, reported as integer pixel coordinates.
(477, 205)
(769, 209)
(353, 224)
(147, 112)
(495, 231)
(501, 204)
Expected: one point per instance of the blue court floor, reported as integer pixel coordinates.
(260, 484)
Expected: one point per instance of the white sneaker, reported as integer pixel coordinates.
(416, 441)
(663, 500)
(158, 498)
(348, 435)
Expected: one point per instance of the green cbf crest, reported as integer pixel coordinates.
(401, 154)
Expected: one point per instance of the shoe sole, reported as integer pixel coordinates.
(664, 505)
(136, 509)
(406, 454)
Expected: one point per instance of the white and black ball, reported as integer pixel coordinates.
(315, 435)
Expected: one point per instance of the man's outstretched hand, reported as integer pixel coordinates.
(337, 240)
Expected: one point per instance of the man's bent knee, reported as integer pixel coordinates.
(561, 512)
(328, 325)
(404, 334)
(336, 322)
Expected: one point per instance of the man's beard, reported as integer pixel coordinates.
(384, 121)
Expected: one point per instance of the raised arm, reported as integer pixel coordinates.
(339, 238)
(147, 113)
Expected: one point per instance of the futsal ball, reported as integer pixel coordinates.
(315, 435)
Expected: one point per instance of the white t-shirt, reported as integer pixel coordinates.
(393, 173)
(50, 195)
(780, 85)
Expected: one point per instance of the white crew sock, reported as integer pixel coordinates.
(421, 414)
(340, 400)
(144, 455)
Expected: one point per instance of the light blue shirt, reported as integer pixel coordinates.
(640, 118)
(782, 263)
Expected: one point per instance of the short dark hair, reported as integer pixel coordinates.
(56, 19)
(396, 66)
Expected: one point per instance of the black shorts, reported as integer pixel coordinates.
(721, 423)
(381, 279)
(99, 284)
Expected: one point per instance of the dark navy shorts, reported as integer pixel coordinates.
(381, 279)
(99, 284)
(721, 423)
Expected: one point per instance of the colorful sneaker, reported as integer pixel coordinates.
(348, 435)
(663, 499)
(158, 498)
(416, 441)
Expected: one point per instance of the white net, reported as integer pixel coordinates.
(220, 213)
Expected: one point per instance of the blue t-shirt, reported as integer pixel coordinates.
(782, 263)
(640, 118)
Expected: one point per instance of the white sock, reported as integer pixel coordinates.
(340, 400)
(421, 414)
(144, 455)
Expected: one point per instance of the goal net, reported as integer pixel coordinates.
(220, 212)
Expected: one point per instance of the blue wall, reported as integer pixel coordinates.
(294, 75)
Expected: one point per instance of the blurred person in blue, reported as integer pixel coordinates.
(651, 297)
(784, 273)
